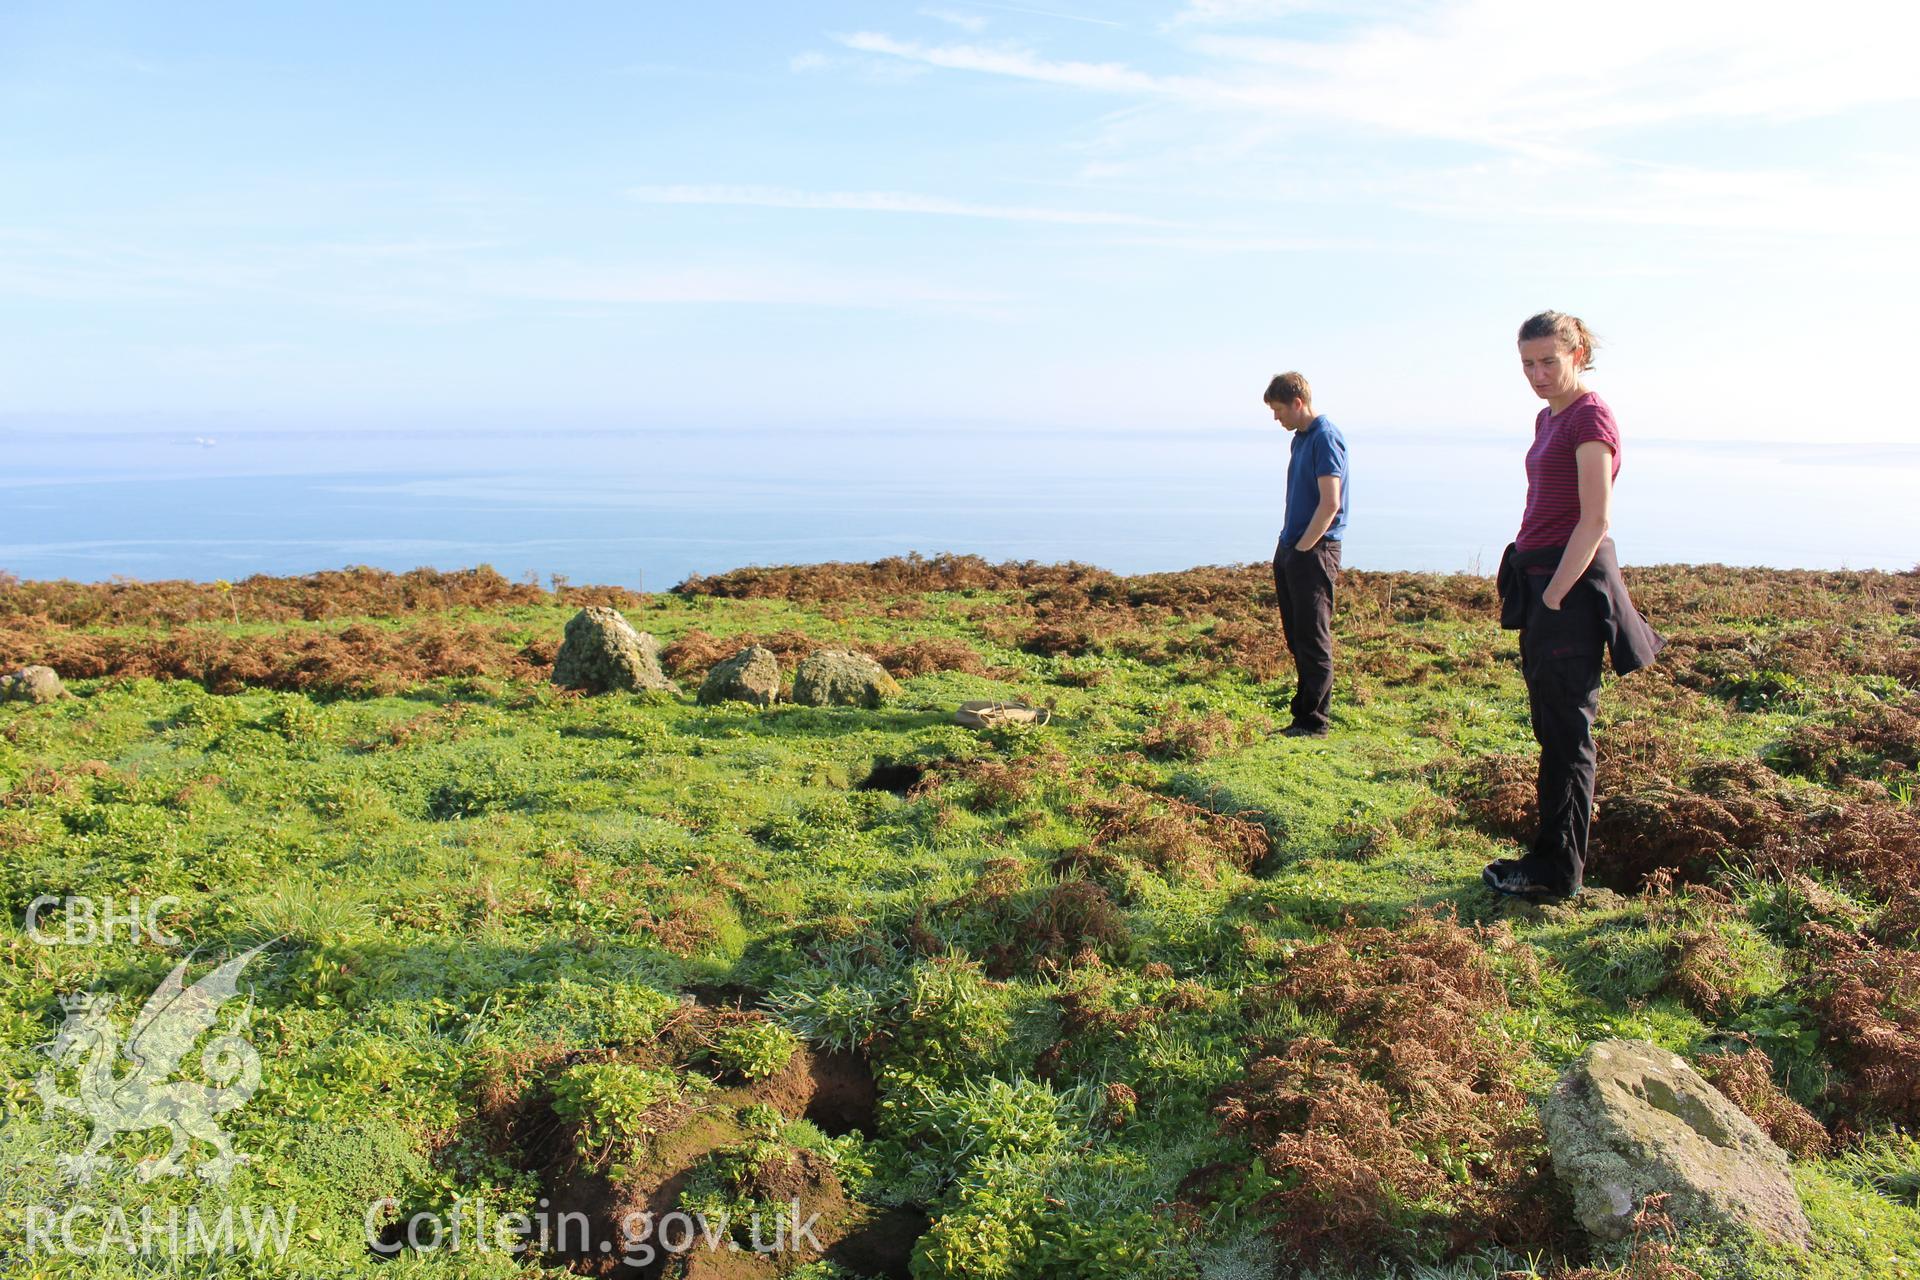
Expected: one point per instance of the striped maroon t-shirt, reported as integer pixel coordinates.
(1553, 477)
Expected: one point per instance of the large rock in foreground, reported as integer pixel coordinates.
(604, 654)
(31, 684)
(1630, 1119)
(841, 678)
(751, 675)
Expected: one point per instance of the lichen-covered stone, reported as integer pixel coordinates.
(751, 675)
(1630, 1119)
(841, 678)
(31, 684)
(604, 654)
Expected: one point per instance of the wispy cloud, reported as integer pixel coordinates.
(1104, 77)
(1050, 13)
(965, 21)
(418, 248)
(435, 281)
(1233, 12)
(1507, 71)
(1872, 204)
(410, 279)
(568, 281)
(1228, 243)
(1501, 73)
(879, 202)
(1551, 94)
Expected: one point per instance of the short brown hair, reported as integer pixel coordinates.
(1569, 333)
(1288, 387)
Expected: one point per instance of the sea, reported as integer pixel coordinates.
(648, 507)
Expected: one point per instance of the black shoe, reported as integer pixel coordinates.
(1299, 730)
(1507, 877)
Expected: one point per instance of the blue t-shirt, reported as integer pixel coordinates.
(1318, 451)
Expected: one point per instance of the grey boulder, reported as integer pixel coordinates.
(602, 653)
(31, 684)
(841, 678)
(751, 675)
(1630, 1119)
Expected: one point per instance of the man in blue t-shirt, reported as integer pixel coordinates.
(1307, 562)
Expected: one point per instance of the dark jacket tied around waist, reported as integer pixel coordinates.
(1596, 611)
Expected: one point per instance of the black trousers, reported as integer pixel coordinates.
(1560, 656)
(1303, 580)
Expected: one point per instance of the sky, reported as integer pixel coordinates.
(955, 216)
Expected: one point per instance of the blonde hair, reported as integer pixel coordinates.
(1570, 333)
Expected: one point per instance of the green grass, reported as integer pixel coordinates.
(472, 867)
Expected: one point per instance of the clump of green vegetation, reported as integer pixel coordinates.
(755, 1050)
(296, 720)
(616, 1106)
(845, 999)
(1036, 1216)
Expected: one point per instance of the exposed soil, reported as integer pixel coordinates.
(881, 1245)
(897, 778)
(844, 1096)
